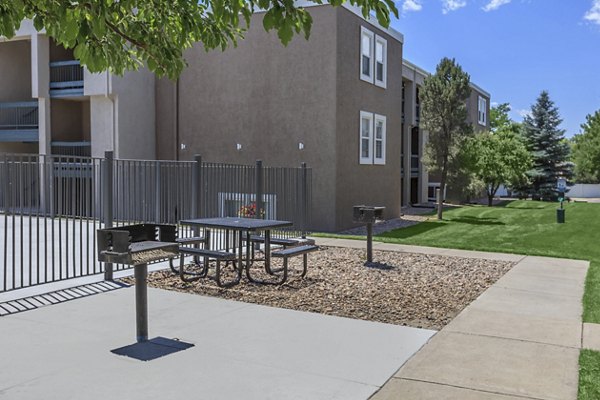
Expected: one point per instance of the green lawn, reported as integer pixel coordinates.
(589, 371)
(523, 227)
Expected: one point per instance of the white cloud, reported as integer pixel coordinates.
(523, 113)
(452, 5)
(411, 5)
(593, 15)
(495, 4)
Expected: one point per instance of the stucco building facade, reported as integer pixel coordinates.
(345, 102)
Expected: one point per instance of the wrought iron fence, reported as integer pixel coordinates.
(51, 206)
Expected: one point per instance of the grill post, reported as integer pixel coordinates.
(141, 302)
(369, 242)
(108, 204)
(259, 190)
(304, 198)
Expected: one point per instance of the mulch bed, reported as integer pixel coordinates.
(423, 291)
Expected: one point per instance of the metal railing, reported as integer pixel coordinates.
(76, 149)
(414, 163)
(66, 77)
(51, 206)
(19, 115)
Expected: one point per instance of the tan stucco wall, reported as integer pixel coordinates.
(70, 120)
(29, 148)
(355, 183)
(59, 53)
(15, 71)
(166, 143)
(268, 98)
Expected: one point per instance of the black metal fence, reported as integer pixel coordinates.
(51, 206)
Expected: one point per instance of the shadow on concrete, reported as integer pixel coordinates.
(152, 349)
(58, 296)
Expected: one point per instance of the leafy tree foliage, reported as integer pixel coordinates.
(119, 35)
(500, 119)
(444, 115)
(548, 147)
(499, 158)
(586, 150)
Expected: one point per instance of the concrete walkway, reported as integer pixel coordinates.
(241, 351)
(519, 340)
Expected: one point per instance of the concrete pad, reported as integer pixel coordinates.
(406, 389)
(521, 302)
(240, 351)
(591, 336)
(510, 367)
(514, 326)
(408, 248)
(541, 283)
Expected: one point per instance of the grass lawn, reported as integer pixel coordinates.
(589, 371)
(523, 227)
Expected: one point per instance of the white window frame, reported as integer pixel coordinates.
(482, 111)
(379, 118)
(381, 83)
(369, 158)
(365, 33)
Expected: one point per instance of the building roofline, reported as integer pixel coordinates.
(358, 12)
(408, 64)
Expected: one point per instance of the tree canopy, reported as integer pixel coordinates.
(499, 158)
(444, 115)
(586, 150)
(549, 149)
(120, 35)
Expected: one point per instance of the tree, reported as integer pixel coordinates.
(444, 115)
(119, 35)
(586, 150)
(499, 158)
(548, 147)
(500, 119)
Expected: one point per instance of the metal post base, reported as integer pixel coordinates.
(369, 242)
(141, 302)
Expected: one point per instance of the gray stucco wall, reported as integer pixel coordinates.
(268, 98)
(15, 71)
(355, 183)
(70, 120)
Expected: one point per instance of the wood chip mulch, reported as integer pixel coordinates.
(422, 291)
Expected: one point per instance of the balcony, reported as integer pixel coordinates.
(19, 122)
(71, 149)
(414, 163)
(66, 79)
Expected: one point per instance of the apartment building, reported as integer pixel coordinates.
(49, 104)
(345, 102)
(418, 185)
(332, 102)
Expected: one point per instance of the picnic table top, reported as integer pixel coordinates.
(238, 223)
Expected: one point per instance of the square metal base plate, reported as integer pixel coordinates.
(152, 349)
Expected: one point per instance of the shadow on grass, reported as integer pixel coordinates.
(477, 221)
(415, 230)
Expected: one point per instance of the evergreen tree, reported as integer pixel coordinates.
(444, 115)
(548, 147)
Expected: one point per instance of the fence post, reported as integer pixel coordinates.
(196, 185)
(107, 189)
(304, 198)
(157, 194)
(260, 213)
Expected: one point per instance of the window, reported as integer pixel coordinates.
(372, 138)
(481, 111)
(380, 61)
(366, 138)
(366, 52)
(379, 152)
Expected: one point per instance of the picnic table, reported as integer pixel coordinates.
(243, 228)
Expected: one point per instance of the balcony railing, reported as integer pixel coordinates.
(414, 163)
(72, 149)
(66, 78)
(19, 121)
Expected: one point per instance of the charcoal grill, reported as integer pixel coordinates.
(138, 245)
(368, 215)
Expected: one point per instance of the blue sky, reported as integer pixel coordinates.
(513, 48)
